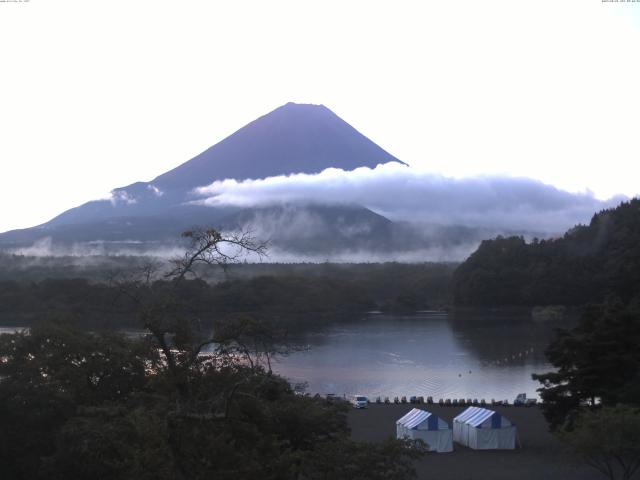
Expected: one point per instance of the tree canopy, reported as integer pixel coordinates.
(608, 440)
(82, 405)
(597, 363)
(584, 266)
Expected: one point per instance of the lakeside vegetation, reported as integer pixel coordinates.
(595, 384)
(584, 266)
(298, 297)
(85, 405)
(591, 399)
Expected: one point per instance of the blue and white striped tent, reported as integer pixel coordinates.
(423, 425)
(483, 429)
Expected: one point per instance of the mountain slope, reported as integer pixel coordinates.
(316, 229)
(294, 138)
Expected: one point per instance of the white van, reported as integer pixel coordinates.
(360, 401)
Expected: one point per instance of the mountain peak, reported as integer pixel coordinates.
(293, 138)
(295, 104)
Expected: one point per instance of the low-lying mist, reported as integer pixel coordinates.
(46, 247)
(389, 213)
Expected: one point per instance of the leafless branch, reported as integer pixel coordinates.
(210, 247)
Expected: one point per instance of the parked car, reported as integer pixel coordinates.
(360, 401)
(521, 399)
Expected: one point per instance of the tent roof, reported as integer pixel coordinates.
(414, 418)
(466, 414)
(474, 416)
(422, 420)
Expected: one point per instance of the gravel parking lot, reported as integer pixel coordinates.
(540, 456)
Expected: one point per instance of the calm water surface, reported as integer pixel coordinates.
(427, 354)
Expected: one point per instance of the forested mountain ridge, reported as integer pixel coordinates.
(585, 265)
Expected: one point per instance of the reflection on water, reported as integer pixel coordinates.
(427, 354)
(423, 355)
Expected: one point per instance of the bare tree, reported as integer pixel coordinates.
(210, 247)
(177, 332)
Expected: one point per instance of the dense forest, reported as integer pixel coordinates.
(182, 401)
(82, 405)
(584, 266)
(195, 396)
(298, 297)
(591, 397)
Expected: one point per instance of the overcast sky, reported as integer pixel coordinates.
(99, 94)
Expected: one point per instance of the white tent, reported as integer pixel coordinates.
(432, 430)
(483, 429)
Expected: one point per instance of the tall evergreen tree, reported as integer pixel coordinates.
(597, 362)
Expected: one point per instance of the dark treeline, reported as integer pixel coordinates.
(182, 402)
(296, 296)
(591, 398)
(597, 363)
(80, 405)
(584, 266)
(379, 278)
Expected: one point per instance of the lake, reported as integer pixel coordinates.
(426, 354)
(430, 354)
